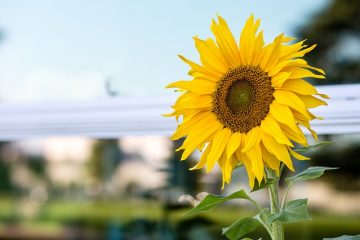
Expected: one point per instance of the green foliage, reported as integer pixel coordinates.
(345, 237)
(247, 225)
(332, 29)
(37, 165)
(308, 148)
(341, 156)
(6, 185)
(268, 181)
(212, 200)
(104, 159)
(294, 211)
(240, 228)
(310, 173)
(178, 174)
(262, 217)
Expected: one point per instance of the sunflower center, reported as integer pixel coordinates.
(242, 98)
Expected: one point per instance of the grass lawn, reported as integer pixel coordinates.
(54, 215)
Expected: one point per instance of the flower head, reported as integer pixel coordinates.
(245, 101)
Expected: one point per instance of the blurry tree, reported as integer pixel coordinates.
(6, 184)
(105, 156)
(179, 175)
(336, 30)
(37, 165)
(345, 157)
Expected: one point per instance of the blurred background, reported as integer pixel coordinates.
(84, 151)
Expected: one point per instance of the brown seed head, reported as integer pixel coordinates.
(242, 98)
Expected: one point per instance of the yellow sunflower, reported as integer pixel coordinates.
(245, 101)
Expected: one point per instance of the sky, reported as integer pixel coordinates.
(72, 50)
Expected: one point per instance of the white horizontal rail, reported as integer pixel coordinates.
(116, 117)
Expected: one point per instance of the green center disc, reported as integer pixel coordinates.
(240, 96)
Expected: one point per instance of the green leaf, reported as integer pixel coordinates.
(310, 173)
(294, 211)
(308, 148)
(250, 239)
(240, 228)
(345, 237)
(262, 217)
(211, 200)
(263, 184)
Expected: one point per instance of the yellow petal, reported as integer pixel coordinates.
(226, 42)
(254, 154)
(226, 166)
(233, 144)
(249, 44)
(288, 51)
(230, 164)
(299, 86)
(298, 156)
(193, 140)
(246, 41)
(279, 67)
(282, 113)
(251, 139)
(280, 151)
(292, 100)
(173, 113)
(191, 100)
(247, 163)
(197, 69)
(296, 50)
(210, 55)
(289, 64)
(219, 143)
(272, 54)
(303, 64)
(278, 80)
(203, 158)
(258, 48)
(287, 39)
(313, 133)
(304, 73)
(295, 135)
(222, 164)
(323, 95)
(198, 86)
(270, 160)
(270, 127)
(192, 124)
(311, 101)
(301, 119)
(304, 51)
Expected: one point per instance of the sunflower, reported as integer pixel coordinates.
(246, 101)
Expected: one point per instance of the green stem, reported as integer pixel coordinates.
(285, 196)
(266, 226)
(277, 227)
(260, 209)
